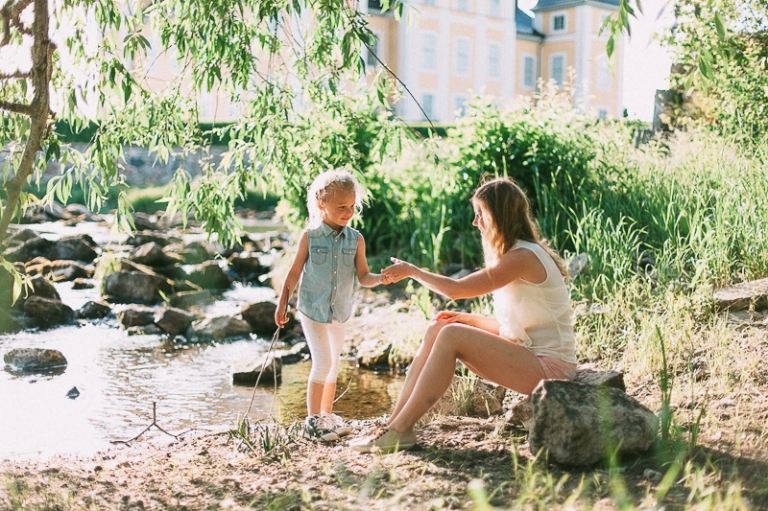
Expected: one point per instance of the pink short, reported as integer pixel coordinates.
(556, 369)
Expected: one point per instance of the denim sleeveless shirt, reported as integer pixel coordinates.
(328, 278)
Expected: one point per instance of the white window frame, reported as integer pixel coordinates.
(552, 58)
(552, 19)
(494, 8)
(426, 64)
(494, 71)
(428, 106)
(459, 57)
(459, 98)
(532, 58)
(463, 5)
(603, 75)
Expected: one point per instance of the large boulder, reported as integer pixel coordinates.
(582, 424)
(188, 299)
(39, 286)
(210, 275)
(47, 312)
(152, 254)
(195, 252)
(172, 320)
(30, 360)
(742, 295)
(135, 287)
(79, 248)
(247, 372)
(219, 327)
(247, 265)
(93, 310)
(136, 315)
(261, 317)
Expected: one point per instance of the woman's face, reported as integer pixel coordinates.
(481, 220)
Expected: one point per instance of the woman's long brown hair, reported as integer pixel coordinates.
(511, 220)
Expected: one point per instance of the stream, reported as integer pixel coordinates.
(119, 377)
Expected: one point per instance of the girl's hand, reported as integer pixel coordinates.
(281, 318)
(398, 271)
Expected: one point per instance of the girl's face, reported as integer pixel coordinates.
(481, 220)
(338, 210)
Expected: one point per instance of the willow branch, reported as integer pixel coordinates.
(18, 75)
(16, 107)
(10, 16)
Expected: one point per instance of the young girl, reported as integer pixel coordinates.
(529, 339)
(329, 254)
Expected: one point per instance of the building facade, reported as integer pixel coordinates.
(460, 48)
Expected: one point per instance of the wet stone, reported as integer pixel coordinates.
(34, 359)
(47, 312)
(136, 315)
(261, 317)
(93, 310)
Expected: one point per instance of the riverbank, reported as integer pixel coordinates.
(460, 462)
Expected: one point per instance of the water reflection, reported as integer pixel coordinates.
(119, 377)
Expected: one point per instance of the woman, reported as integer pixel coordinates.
(529, 339)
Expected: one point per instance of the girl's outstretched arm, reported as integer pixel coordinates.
(364, 275)
(291, 280)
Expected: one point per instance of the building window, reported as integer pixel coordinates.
(462, 5)
(557, 69)
(428, 105)
(430, 52)
(494, 61)
(558, 23)
(462, 56)
(494, 8)
(459, 105)
(603, 17)
(370, 60)
(374, 6)
(429, 2)
(602, 112)
(604, 79)
(529, 72)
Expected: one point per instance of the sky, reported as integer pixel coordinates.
(646, 64)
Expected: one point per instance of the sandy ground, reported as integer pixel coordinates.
(460, 463)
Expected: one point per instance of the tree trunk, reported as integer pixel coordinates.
(42, 51)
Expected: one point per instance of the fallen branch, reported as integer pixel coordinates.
(154, 423)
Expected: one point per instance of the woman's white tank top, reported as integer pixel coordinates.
(537, 316)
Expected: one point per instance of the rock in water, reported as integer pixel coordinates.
(73, 393)
(35, 359)
(580, 424)
(247, 372)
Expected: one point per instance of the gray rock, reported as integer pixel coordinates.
(172, 320)
(65, 271)
(39, 286)
(152, 254)
(136, 315)
(580, 424)
(577, 264)
(79, 248)
(248, 265)
(246, 373)
(47, 312)
(261, 317)
(73, 393)
(373, 353)
(293, 355)
(186, 299)
(135, 287)
(93, 310)
(150, 329)
(144, 237)
(742, 295)
(219, 327)
(34, 360)
(83, 284)
(195, 252)
(210, 275)
(590, 376)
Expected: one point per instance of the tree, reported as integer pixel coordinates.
(269, 53)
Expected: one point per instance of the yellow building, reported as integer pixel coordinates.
(458, 48)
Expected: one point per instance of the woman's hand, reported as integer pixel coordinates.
(455, 317)
(398, 271)
(281, 316)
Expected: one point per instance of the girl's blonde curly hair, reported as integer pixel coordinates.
(324, 186)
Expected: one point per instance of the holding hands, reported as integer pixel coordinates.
(398, 271)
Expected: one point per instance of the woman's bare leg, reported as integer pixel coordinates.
(495, 359)
(416, 366)
(315, 393)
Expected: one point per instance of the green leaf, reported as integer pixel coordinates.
(720, 26)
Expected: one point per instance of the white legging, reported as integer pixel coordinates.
(325, 343)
